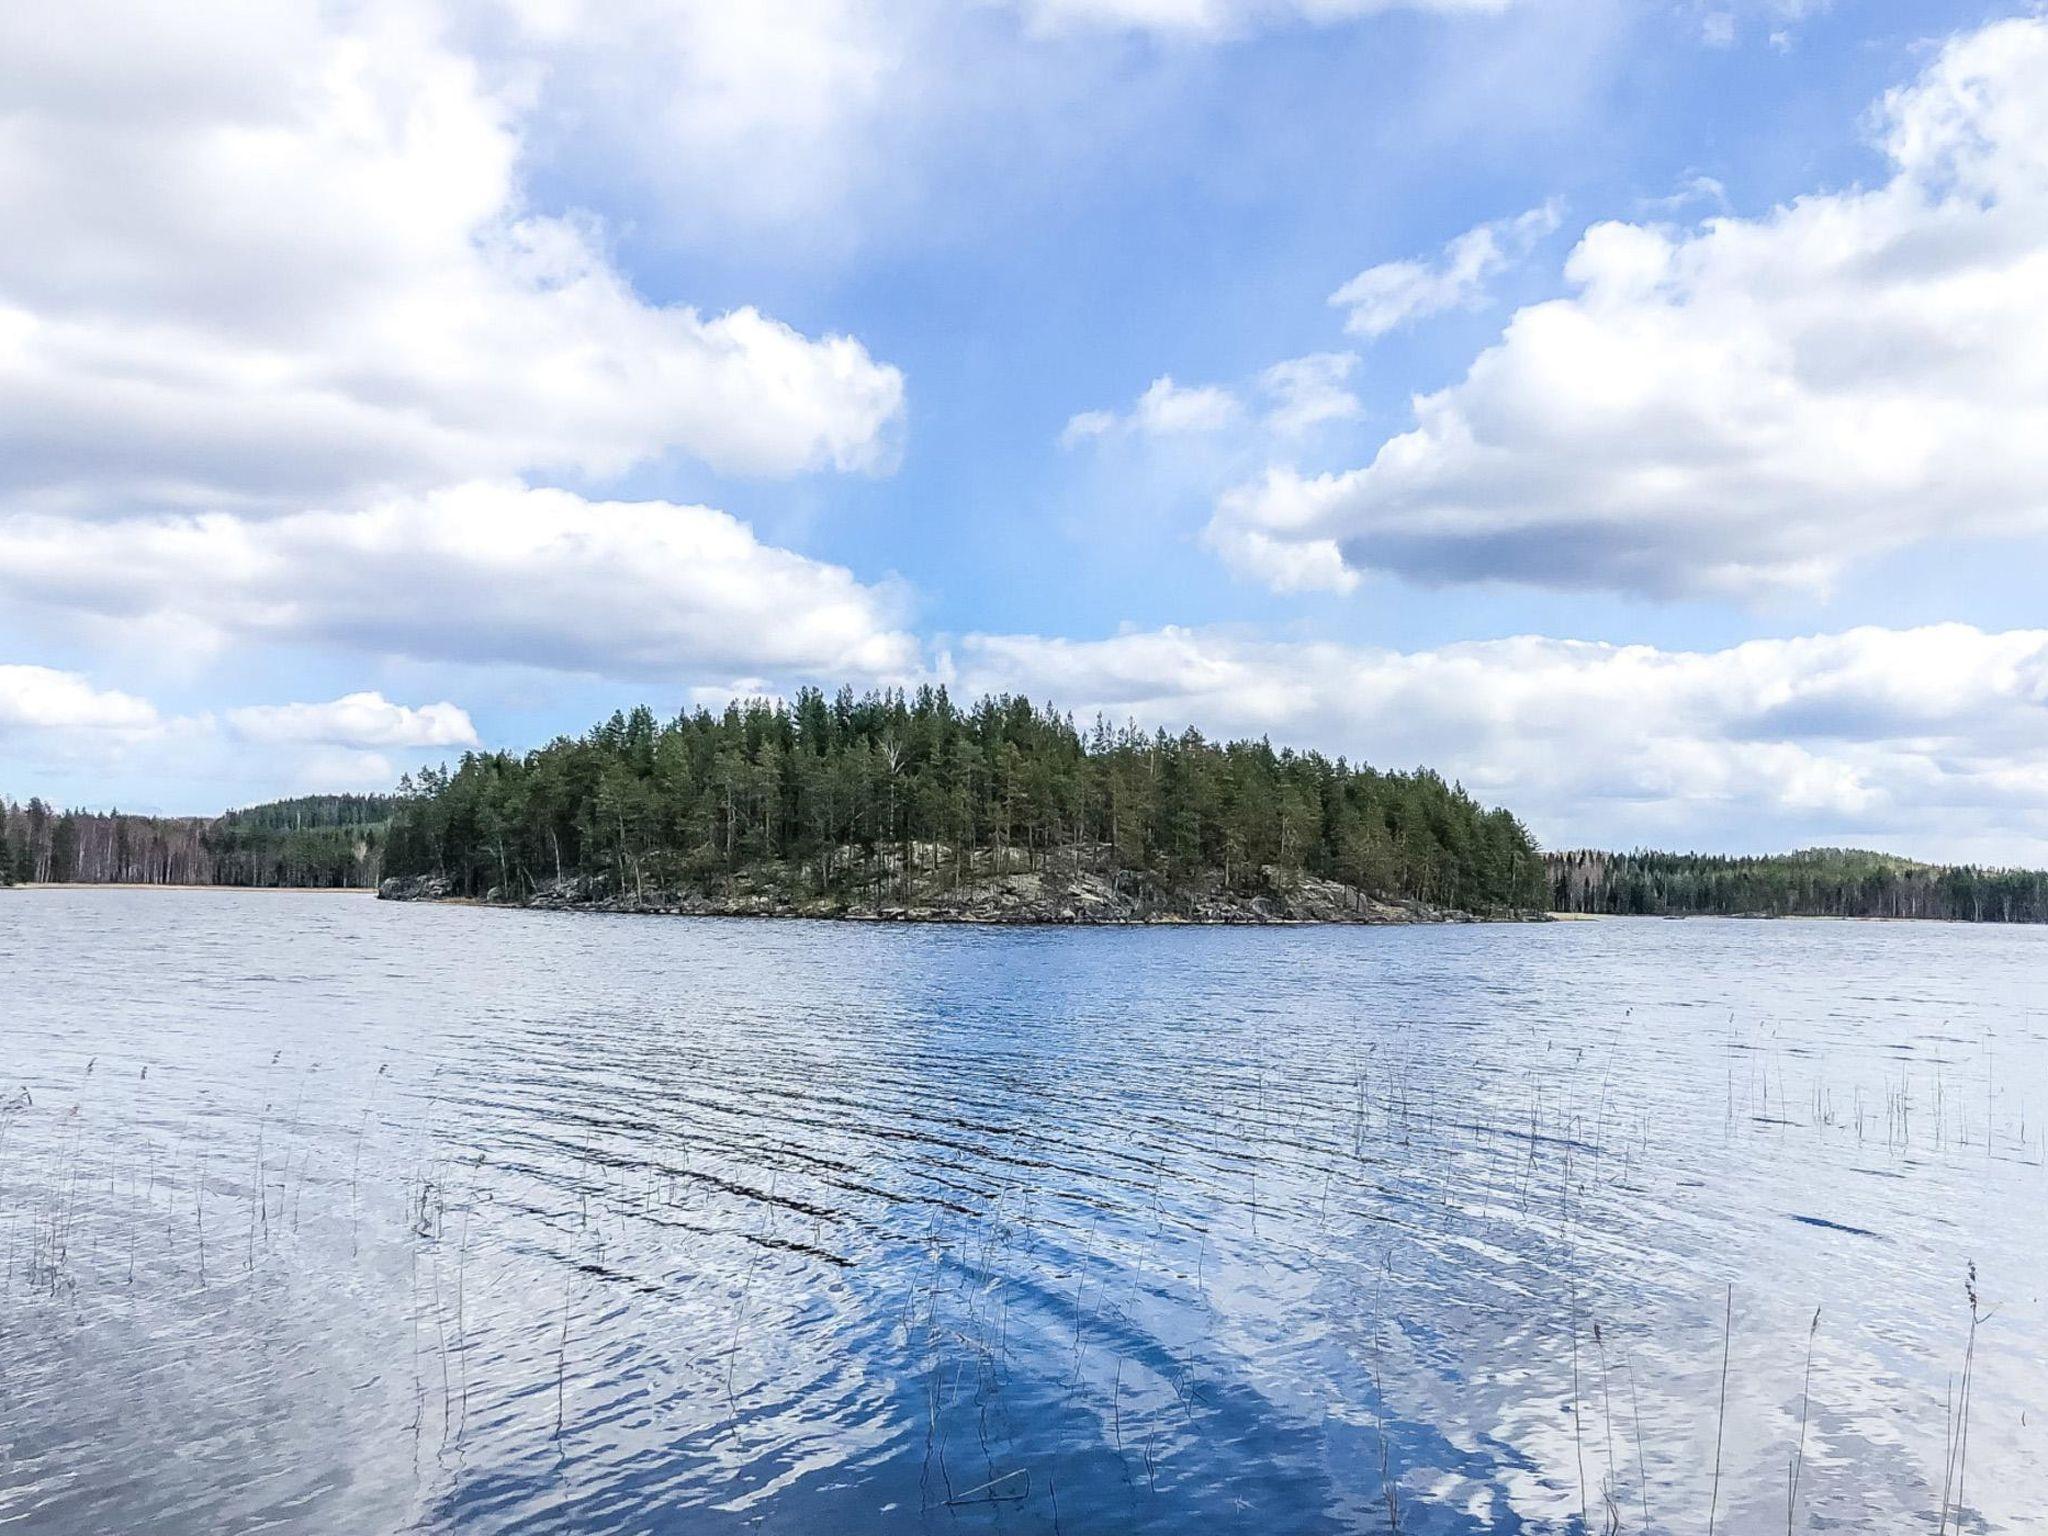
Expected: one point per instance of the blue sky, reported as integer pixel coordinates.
(1634, 410)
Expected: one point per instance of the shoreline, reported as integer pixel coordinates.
(894, 919)
(985, 909)
(1413, 915)
(167, 885)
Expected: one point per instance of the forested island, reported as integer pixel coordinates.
(321, 841)
(893, 804)
(1816, 882)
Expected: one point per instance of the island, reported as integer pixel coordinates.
(894, 804)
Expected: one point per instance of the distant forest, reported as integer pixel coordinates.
(877, 796)
(319, 840)
(1818, 882)
(850, 793)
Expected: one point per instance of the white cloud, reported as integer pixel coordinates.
(360, 720)
(59, 728)
(777, 114)
(484, 573)
(340, 745)
(1310, 392)
(1752, 404)
(260, 253)
(1932, 740)
(1302, 396)
(43, 699)
(1396, 293)
(1165, 409)
(1693, 190)
(1083, 426)
(1262, 531)
(819, 126)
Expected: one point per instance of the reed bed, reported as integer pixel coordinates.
(1020, 1293)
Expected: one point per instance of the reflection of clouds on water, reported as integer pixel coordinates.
(489, 1220)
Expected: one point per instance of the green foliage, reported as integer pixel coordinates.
(318, 840)
(1816, 882)
(330, 841)
(840, 792)
(310, 812)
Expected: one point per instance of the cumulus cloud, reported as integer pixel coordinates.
(1932, 740)
(43, 699)
(263, 253)
(767, 115)
(349, 743)
(1397, 293)
(1165, 409)
(1302, 396)
(1749, 405)
(361, 720)
(826, 124)
(59, 727)
(1264, 531)
(485, 573)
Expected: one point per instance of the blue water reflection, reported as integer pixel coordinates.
(325, 1215)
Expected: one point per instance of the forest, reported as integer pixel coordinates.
(891, 796)
(1817, 882)
(325, 841)
(864, 795)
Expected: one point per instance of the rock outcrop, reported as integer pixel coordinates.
(1037, 896)
(416, 888)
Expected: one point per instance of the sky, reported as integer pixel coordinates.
(1636, 410)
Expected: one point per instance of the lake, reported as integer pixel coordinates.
(322, 1214)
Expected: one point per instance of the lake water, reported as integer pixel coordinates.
(327, 1215)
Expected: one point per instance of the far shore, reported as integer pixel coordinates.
(162, 885)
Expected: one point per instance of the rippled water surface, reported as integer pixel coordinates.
(323, 1215)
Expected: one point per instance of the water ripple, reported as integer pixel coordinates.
(323, 1215)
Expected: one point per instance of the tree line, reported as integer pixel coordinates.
(1817, 882)
(849, 793)
(328, 841)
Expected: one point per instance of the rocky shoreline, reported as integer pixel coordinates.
(1085, 899)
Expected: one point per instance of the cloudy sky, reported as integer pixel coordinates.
(1637, 409)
